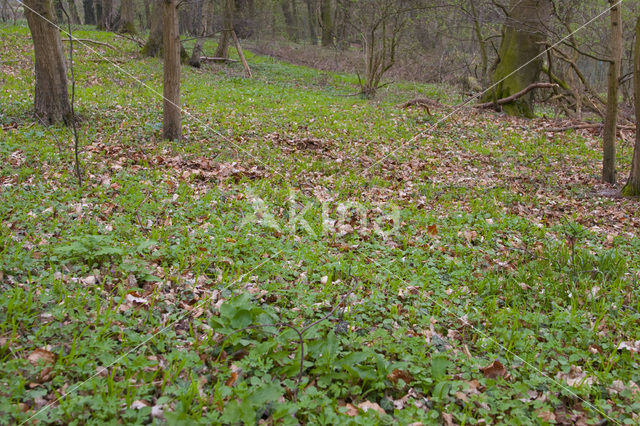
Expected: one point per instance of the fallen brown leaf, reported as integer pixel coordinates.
(494, 370)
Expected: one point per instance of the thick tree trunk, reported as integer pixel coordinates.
(196, 54)
(289, 19)
(97, 4)
(127, 17)
(225, 37)
(73, 12)
(632, 188)
(153, 46)
(519, 62)
(106, 8)
(171, 88)
(611, 119)
(51, 95)
(326, 19)
(311, 22)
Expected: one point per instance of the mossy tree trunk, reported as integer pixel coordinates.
(51, 94)
(171, 88)
(326, 19)
(611, 118)
(519, 60)
(196, 54)
(225, 37)
(632, 188)
(153, 46)
(106, 6)
(311, 22)
(127, 17)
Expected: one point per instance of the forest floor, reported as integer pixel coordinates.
(478, 273)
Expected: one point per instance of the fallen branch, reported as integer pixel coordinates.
(420, 103)
(86, 40)
(517, 95)
(586, 126)
(241, 54)
(217, 59)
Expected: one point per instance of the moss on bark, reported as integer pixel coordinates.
(519, 63)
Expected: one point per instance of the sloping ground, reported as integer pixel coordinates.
(477, 273)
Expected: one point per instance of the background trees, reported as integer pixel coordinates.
(475, 45)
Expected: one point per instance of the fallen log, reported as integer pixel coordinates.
(516, 95)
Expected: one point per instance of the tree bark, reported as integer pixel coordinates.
(106, 7)
(289, 19)
(153, 46)
(171, 88)
(51, 94)
(97, 4)
(611, 119)
(127, 17)
(225, 37)
(311, 22)
(326, 20)
(484, 58)
(632, 187)
(519, 61)
(196, 54)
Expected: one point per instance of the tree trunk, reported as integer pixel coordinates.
(171, 88)
(106, 7)
(73, 12)
(632, 188)
(97, 4)
(326, 20)
(153, 46)
(484, 58)
(289, 19)
(225, 37)
(311, 22)
(127, 17)
(611, 119)
(51, 95)
(196, 54)
(519, 62)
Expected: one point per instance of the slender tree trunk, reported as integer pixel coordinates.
(171, 88)
(127, 17)
(519, 62)
(611, 119)
(225, 37)
(311, 22)
(484, 58)
(51, 94)
(632, 188)
(153, 46)
(326, 19)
